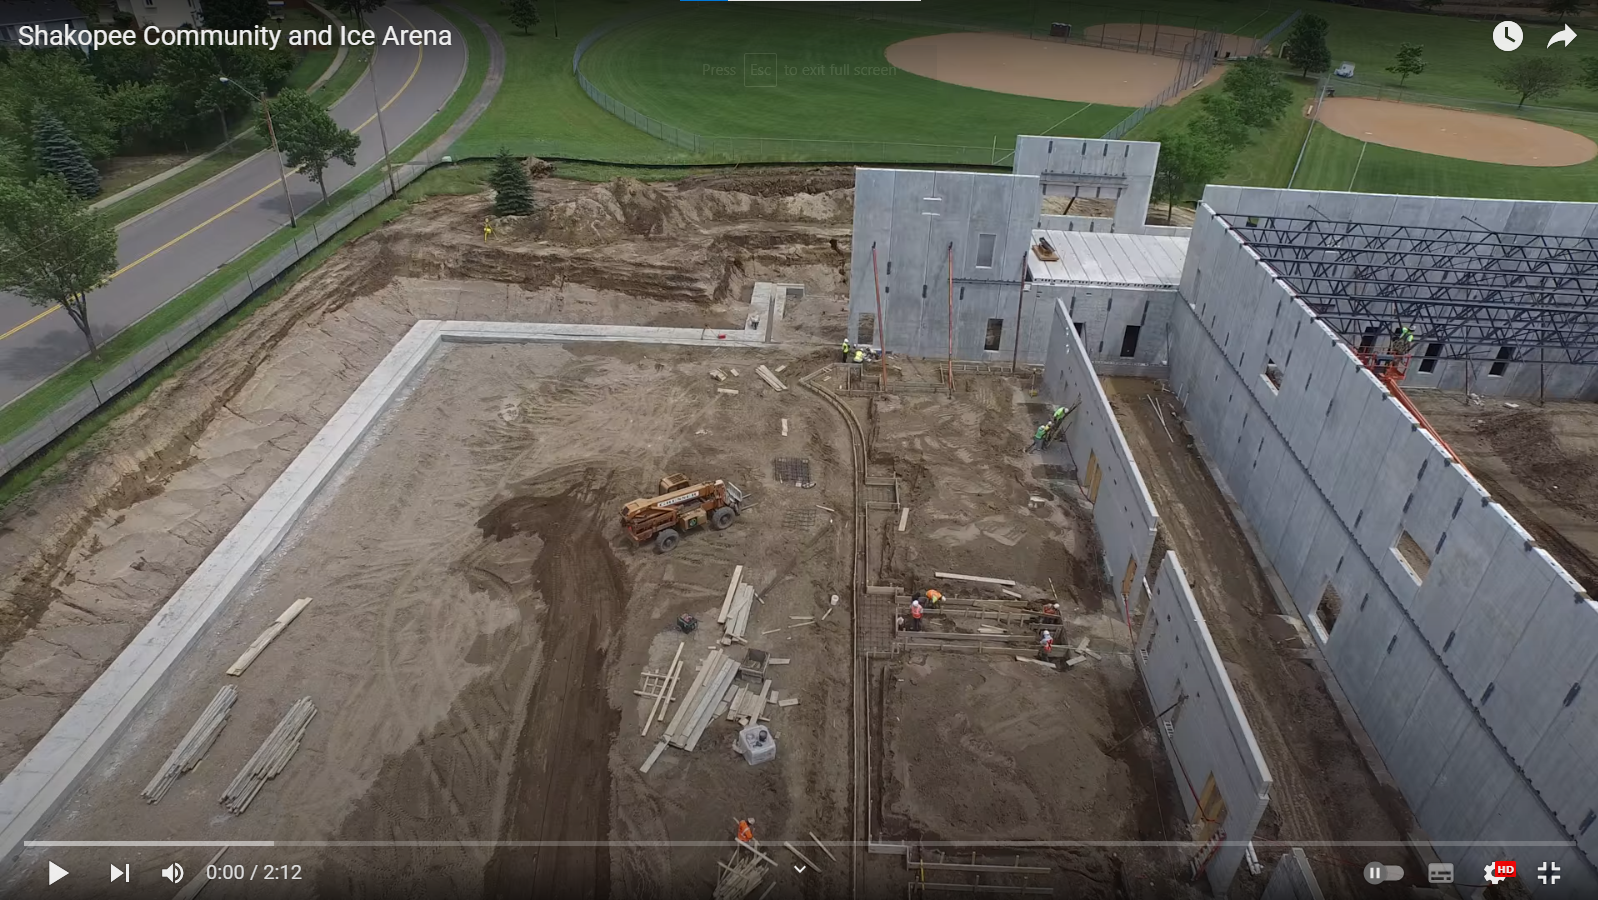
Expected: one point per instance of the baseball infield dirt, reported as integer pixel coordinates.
(1458, 133)
(1012, 64)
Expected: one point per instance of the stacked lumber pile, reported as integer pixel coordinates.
(698, 706)
(194, 745)
(748, 706)
(769, 378)
(740, 877)
(269, 761)
(736, 605)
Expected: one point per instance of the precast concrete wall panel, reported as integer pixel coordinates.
(1467, 677)
(914, 217)
(1085, 167)
(1123, 512)
(1208, 734)
(1292, 879)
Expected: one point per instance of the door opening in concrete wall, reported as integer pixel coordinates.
(1327, 611)
(1367, 341)
(1273, 375)
(1091, 481)
(1428, 361)
(866, 330)
(1414, 558)
(1500, 362)
(1129, 340)
(1130, 578)
(1081, 328)
(995, 334)
(985, 250)
(1211, 812)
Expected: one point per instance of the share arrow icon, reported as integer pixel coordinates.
(1563, 36)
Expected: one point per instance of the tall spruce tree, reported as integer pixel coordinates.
(57, 153)
(513, 192)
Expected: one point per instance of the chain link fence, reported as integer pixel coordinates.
(103, 387)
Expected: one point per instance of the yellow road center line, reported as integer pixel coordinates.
(269, 185)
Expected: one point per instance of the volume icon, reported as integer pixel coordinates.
(173, 873)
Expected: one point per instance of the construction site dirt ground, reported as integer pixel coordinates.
(1540, 462)
(1324, 786)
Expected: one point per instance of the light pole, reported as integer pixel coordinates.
(382, 133)
(282, 176)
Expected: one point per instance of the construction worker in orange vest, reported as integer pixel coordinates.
(745, 833)
(915, 615)
(934, 598)
(1045, 645)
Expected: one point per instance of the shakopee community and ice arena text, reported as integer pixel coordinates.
(332, 35)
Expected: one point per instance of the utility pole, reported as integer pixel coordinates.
(282, 176)
(382, 133)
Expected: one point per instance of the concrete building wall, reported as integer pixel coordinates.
(168, 14)
(1534, 370)
(1202, 724)
(1123, 512)
(912, 217)
(1081, 167)
(1104, 314)
(1465, 666)
(1076, 223)
(1292, 879)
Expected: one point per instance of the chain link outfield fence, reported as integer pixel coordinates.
(102, 388)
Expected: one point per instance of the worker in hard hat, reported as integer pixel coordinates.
(1039, 436)
(1403, 339)
(915, 615)
(934, 598)
(846, 349)
(1045, 645)
(859, 356)
(746, 834)
(1059, 414)
(1049, 616)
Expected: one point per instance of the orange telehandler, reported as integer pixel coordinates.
(679, 507)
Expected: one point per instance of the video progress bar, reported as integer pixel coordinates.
(840, 844)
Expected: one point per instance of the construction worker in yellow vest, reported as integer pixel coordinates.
(859, 356)
(846, 350)
(1039, 436)
(1403, 339)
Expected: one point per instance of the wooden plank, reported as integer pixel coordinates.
(267, 636)
(730, 391)
(791, 701)
(784, 427)
(728, 672)
(756, 851)
(1034, 659)
(732, 588)
(653, 755)
(955, 576)
(802, 857)
(769, 378)
(693, 691)
(758, 706)
(1009, 593)
(700, 711)
(783, 661)
(1074, 660)
(655, 707)
(671, 688)
(904, 518)
(822, 846)
(744, 603)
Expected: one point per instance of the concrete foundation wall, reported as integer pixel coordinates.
(912, 216)
(1202, 724)
(1465, 671)
(1534, 370)
(1291, 879)
(1123, 512)
(1079, 167)
(1076, 223)
(1104, 314)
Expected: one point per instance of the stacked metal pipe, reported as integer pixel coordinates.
(194, 745)
(270, 759)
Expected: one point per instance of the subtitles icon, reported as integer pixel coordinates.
(1440, 873)
(1499, 870)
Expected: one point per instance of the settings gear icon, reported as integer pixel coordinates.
(1492, 873)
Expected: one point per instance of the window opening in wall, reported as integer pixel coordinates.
(1500, 362)
(1415, 559)
(995, 334)
(1327, 611)
(1081, 328)
(1129, 340)
(1367, 341)
(1273, 374)
(985, 250)
(1428, 362)
(865, 331)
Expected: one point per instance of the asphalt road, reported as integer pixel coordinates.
(165, 252)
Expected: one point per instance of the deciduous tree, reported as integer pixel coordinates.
(53, 248)
(513, 192)
(308, 136)
(523, 14)
(1305, 46)
(61, 84)
(1188, 162)
(1589, 73)
(56, 153)
(1407, 62)
(1532, 77)
(1261, 96)
(1563, 7)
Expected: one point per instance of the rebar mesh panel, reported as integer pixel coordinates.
(792, 470)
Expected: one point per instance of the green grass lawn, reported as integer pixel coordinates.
(33, 406)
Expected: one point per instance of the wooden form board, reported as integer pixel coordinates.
(955, 576)
(267, 636)
(732, 588)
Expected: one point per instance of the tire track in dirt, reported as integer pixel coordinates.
(561, 790)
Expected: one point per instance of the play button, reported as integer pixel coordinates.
(56, 873)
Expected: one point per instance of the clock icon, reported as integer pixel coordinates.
(1507, 36)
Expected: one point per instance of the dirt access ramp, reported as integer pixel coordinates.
(1539, 462)
(1323, 787)
(90, 552)
(1458, 133)
(1053, 70)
